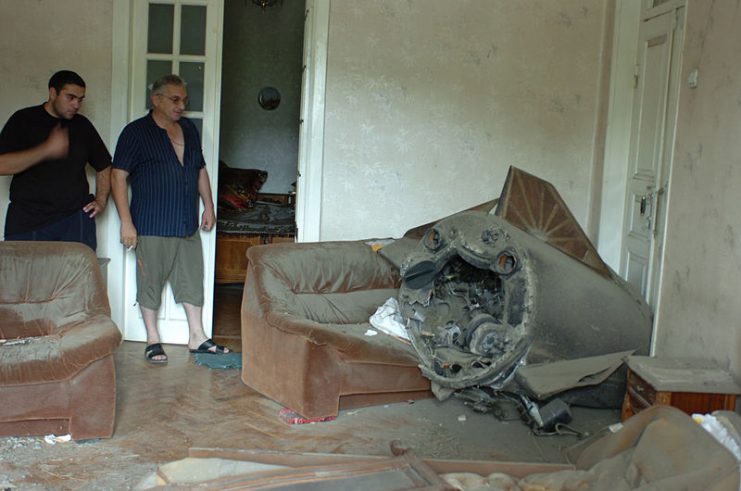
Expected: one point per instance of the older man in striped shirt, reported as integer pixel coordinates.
(160, 155)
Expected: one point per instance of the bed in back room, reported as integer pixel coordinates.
(246, 217)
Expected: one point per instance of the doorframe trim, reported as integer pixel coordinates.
(120, 77)
(617, 138)
(311, 130)
(121, 290)
(664, 178)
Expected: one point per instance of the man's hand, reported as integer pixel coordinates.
(93, 208)
(56, 145)
(208, 219)
(128, 235)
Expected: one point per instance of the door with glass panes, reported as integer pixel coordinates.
(181, 37)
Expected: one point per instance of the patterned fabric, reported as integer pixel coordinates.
(238, 188)
(262, 218)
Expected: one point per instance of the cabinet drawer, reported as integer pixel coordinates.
(231, 259)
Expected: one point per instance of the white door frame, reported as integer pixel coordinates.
(628, 17)
(125, 75)
(311, 133)
(617, 140)
(120, 75)
(629, 14)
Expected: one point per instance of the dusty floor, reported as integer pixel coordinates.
(164, 410)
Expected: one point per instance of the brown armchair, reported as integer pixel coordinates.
(56, 342)
(305, 313)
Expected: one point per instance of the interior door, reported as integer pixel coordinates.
(181, 37)
(651, 144)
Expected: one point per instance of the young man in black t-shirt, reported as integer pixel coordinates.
(46, 148)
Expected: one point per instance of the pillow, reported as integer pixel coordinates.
(238, 188)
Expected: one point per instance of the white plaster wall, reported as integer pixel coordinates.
(699, 311)
(262, 48)
(40, 37)
(429, 102)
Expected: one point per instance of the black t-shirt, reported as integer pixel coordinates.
(53, 189)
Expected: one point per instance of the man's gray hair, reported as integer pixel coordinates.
(167, 80)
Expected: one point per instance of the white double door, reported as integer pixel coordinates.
(182, 37)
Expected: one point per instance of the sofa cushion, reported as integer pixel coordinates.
(51, 282)
(57, 356)
(339, 282)
(349, 340)
(12, 327)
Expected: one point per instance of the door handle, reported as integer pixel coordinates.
(644, 200)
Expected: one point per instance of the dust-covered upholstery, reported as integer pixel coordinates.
(56, 342)
(305, 313)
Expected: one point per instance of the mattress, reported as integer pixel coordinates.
(262, 218)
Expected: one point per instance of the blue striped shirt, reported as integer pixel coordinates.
(164, 193)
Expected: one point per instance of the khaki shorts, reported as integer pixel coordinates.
(177, 259)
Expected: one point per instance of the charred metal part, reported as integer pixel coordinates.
(543, 419)
(546, 418)
(504, 406)
(464, 297)
(481, 296)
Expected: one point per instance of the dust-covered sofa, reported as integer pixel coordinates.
(305, 314)
(57, 341)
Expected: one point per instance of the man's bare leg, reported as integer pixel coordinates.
(153, 335)
(195, 325)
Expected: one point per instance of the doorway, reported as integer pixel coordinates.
(262, 57)
(261, 78)
(644, 86)
(656, 84)
(130, 54)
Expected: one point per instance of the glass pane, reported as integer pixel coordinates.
(192, 73)
(193, 30)
(155, 70)
(159, 33)
(199, 124)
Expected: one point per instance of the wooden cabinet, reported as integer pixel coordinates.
(232, 245)
(231, 259)
(694, 386)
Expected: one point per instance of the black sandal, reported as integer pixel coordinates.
(206, 346)
(155, 350)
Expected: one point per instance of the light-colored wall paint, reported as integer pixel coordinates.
(37, 39)
(700, 314)
(262, 48)
(429, 102)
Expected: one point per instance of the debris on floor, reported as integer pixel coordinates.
(291, 417)
(665, 444)
(53, 439)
